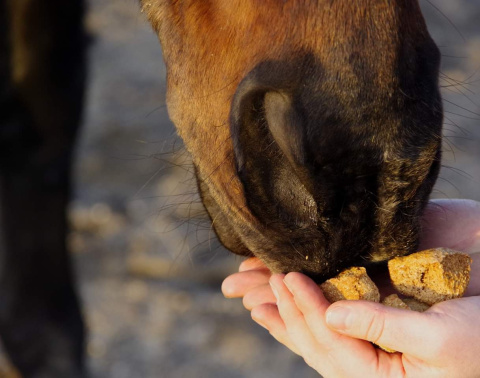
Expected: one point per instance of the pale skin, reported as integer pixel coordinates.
(334, 339)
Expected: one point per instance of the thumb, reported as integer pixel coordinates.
(401, 330)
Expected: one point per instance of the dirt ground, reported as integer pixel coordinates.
(150, 279)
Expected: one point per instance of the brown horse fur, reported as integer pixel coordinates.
(314, 126)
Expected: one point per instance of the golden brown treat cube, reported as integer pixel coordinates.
(394, 300)
(431, 276)
(351, 284)
(416, 305)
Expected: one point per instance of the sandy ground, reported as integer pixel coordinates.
(150, 279)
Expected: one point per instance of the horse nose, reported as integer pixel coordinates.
(334, 170)
(308, 207)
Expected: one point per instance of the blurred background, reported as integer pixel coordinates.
(148, 265)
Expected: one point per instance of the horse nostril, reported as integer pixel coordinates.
(264, 107)
(268, 140)
(285, 125)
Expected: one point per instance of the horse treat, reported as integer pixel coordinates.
(431, 276)
(394, 300)
(351, 284)
(424, 278)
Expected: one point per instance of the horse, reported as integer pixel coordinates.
(314, 128)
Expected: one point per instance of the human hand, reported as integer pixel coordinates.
(450, 325)
(335, 339)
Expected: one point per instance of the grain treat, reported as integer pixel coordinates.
(394, 300)
(431, 276)
(351, 284)
(416, 305)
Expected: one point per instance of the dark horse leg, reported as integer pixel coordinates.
(41, 90)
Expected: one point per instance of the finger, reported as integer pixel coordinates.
(252, 263)
(295, 324)
(402, 330)
(313, 305)
(311, 302)
(238, 284)
(327, 353)
(257, 296)
(268, 317)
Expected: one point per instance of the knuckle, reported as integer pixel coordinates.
(297, 318)
(375, 326)
(247, 301)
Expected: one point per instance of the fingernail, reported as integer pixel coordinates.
(337, 318)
